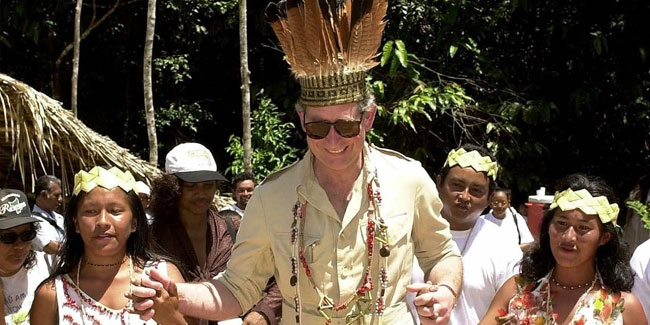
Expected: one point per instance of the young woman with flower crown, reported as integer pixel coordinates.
(578, 273)
(107, 245)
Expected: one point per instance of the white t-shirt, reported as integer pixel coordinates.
(18, 290)
(488, 261)
(640, 263)
(509, 228)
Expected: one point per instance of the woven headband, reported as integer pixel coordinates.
(108, 179)
(582, 199)
(472, 159)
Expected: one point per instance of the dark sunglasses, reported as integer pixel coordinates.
(11, 237)
(345, 128)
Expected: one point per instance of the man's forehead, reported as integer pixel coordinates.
(468, 175)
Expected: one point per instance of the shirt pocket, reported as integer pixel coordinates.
(398, 228)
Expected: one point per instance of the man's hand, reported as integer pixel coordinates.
(155, 296)
(255, 318)
(433, 303)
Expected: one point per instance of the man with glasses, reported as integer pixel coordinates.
(51, 233)
(340, 227)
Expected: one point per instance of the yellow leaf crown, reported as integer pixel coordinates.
(108, 179)
(472, 159)
(582, 199)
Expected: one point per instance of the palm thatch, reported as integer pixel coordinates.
(38, 137)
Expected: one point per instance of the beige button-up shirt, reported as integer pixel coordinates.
(336, 249)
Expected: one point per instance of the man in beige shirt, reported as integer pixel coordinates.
(338, 229)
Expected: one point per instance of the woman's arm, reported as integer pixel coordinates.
(499, 305)
(633, 312)
(44, 308)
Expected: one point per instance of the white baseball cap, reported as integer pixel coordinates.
(193, 163)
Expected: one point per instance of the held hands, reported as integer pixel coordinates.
(155, 296)
(433, 303)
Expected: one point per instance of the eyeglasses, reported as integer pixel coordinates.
(499, 203)
(345, 128)
(11, 237)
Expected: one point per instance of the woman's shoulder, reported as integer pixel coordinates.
(633, 310)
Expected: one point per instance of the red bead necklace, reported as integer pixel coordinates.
(376, 230)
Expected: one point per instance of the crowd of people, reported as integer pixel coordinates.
(350, 234)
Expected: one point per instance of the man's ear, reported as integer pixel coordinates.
(369, 117)
(301, 115)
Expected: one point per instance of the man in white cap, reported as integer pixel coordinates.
(187, 226)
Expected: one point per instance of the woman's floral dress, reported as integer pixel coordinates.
(533, 305)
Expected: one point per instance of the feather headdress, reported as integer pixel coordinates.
(329, 44)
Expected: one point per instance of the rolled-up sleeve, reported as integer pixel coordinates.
(251, 263)
(432, 238)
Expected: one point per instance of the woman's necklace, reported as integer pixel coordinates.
(125, 319)
(581, 301)
(111, 264)
(376, 230)
(565, 287)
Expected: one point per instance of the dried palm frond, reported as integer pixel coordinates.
(38, 136)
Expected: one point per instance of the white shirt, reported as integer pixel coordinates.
(47, 232)
(509, 228)
(18, 290)
(488, 261)
(640, 263)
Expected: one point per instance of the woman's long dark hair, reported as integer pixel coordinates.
(612, 258)
(30, 260)
(138, 245)
(165, 194)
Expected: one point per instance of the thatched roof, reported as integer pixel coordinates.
(38, 137)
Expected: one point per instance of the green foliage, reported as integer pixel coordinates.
(642, 210)
(177, 65)
(186, 116)
(269, 142)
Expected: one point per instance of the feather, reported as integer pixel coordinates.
(313, 37)
(276, 17)
(295, 20)
(324, 37)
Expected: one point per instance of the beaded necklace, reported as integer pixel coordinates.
(129, 304)
(376, 230)
(581, 301)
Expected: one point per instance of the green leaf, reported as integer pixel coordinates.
(401, 53)
(452, 50)
(386, 52)
(393, 67)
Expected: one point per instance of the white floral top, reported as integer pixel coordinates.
(70, 299)
(533, 304)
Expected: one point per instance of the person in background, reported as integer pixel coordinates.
(640, 264)
(243, 186)
(579, 271)
(144, 193)
(188, 227)
(502, 214)
(465, 182)
(21, 268)
(107, 245)
(51, 231)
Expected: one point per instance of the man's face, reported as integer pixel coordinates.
(334, 152)
(243, 192)
(196, 198)
(52, 199)
(464, 195)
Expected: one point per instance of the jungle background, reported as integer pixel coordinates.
(551, 87)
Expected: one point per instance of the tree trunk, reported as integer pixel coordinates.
(245, 87)
(148, 88)
(75, 58)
